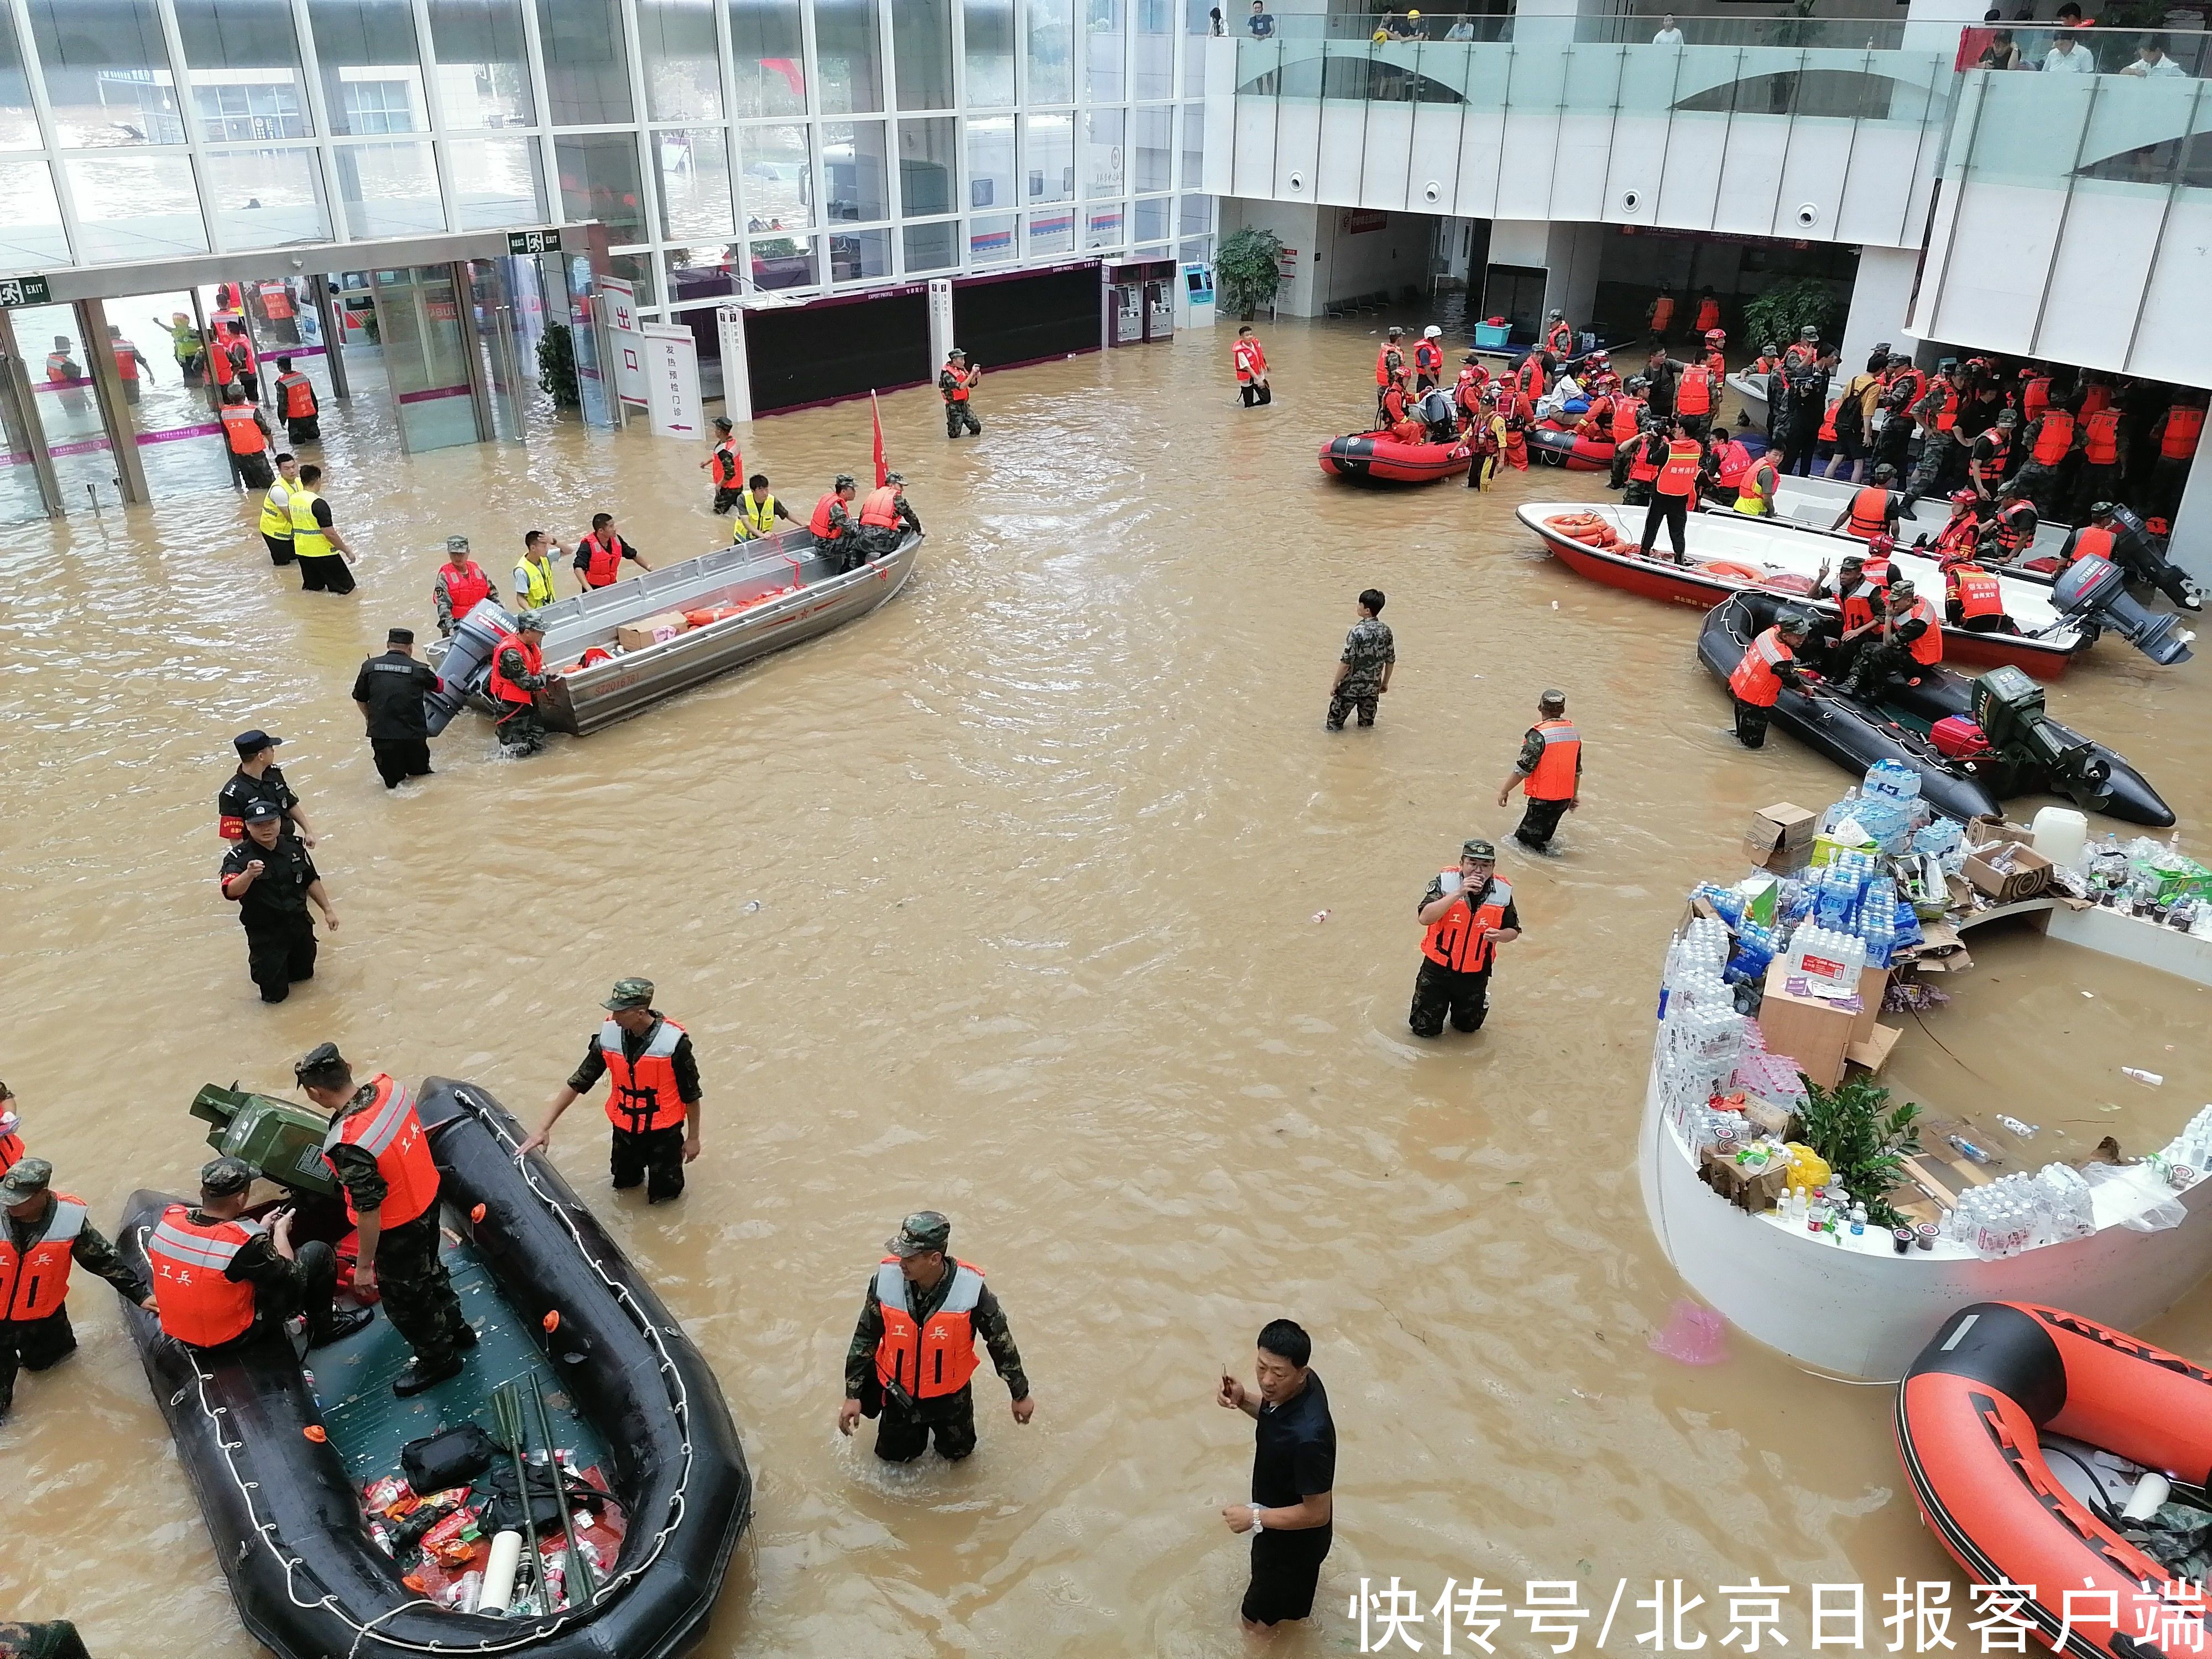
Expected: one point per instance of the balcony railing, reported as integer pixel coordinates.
(1859, 33)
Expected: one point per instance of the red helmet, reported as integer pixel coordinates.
(1881, 545)
(1964, 498)
(1715, 337)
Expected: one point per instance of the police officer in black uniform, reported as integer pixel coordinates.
(259, 778)
(389, 689)
(271, 877)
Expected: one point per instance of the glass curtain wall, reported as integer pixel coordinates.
(730, 146)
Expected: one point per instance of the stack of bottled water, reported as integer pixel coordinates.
(2017, 1212)
(1754, 950)
(1701, 1035)
(1886, 803)
(1877, 920)
(1828, 960)
(2193, 1145)
(1943, 837)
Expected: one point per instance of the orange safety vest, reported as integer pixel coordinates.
(2183, 424)
(1627, 414)
(126, 360)
(1559, 768)
(729, 464)
(2034, 395)
(2000, 455)
(1858, 607)
(1460, 938)
(1662, 313)
(1695, 395)
(504, 690)
(2100, 437)
(1948, 415)
(1754, 680)
(1386, 372)
(299, 395)
(2097, 397)
(1827, 433)
(2091, 541)
(880, 510)
(2053, 437)
(1559, 338)
(1680, 475)
(1717, 366)
(35, 1284)
(463, 586)
(1641, 468)
(1251, 361)
(604, 559)
(1979, 594)
(932, 1362)
(819, 524)
(197, 1304)
(1428, 359)
(2011, 534)
(1532, 377)
(1928, 649)
(12, 1152)
(641, 1098)
(1709, 315)
(388, 1129)
(243, 430)
(1755, 488)
(962, 383)
(1869, 513)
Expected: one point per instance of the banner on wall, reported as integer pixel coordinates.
(670, 366)
(622, 326)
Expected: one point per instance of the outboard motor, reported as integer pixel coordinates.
(1435, 409)
(2008, 708)
(467, 662)
(2095, 590)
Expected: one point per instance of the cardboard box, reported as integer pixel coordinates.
(1811, 1032)
(1779, 835)
(1874, 984)
(650, 630)
(1871, 1052)
(2029, 873)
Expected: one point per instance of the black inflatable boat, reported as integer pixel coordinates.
(2032, 755)
(277, 1454)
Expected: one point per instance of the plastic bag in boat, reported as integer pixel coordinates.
(2152, 1207)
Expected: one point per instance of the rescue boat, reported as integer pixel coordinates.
(1378, 458)
(1814, 503)
(1728, 553)
(1553, 445)
(1930, 728)
(278, 1454)
(1977, 1415)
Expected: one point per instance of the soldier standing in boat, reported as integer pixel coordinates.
(653, 1098)
(912, 1355)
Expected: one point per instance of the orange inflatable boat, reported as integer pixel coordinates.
(1969, 1414)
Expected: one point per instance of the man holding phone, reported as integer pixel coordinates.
(218, 1278)
(1291, 1517)
(1469, 914)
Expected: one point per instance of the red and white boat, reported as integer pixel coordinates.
(1725, 553)
(1378, 457)
(1555, 444)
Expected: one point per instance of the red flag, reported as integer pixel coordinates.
(883, 470)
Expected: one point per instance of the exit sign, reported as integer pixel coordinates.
(534, 241)
(24, 291)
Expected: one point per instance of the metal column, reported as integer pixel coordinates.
(326, 315)
(114, 408)
(464, 313)
(33, 434)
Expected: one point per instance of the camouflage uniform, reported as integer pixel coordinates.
(521, 727)
(958, 416)
(42, 1343)
(1368, 650)
(840, 549)
(1438, 990)
(905, 1429)
(417, 1297)
(1540, 819)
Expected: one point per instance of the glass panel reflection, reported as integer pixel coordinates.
(371, 66)
(854, 171)
(929, 161)
(586, 65)
(850, 54)
(498, 181)
(599, 180)
(483, 69)
(1052, 51)
(266, 197)
(991, 162)
(107, 85)
(990, 52)
(244, 65)
(764, 43)
(682, 73)
(693, 168)
(389, 189)
(921, 51)
(777, 189)
(31, 236)
(134, 207)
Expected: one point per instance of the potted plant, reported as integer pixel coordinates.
(1248, 269)
(1863, 1139)
(556, 367)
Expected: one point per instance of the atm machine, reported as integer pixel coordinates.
(1127, 311)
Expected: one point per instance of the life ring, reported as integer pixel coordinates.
(1569, 523)
(1739, 573)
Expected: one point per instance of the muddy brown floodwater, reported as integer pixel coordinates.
(1037, 852)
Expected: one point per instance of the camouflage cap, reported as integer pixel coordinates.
(323, 1058)
(629, 993)
(530, 623)
(1474, 846)
(457, 544)
(28, 1180)
(220, 1177)
(920, 1233)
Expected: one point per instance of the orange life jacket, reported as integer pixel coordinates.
(1827, 435)
(603, 559)
(1387, 372)
(963, 382)
(2053, 437)
(243, 430)
(1695, 395)
(1755, 487)
(1717, 366)
(197, 1304)
(1627, 413)
(1928, 649)
(2096, 398)
(299, 395)
(1641, 468)
(1532, 377)
(2034, 396)
(880, 510)
(1709, 315)
(1754, 680)
(643, 1098)
(1947, 414)
(819, 524)
(2101, 436)
(463, 586)
(1460, 938)
(1428, 358)
(2016, 527)
(932, 1361)
(504, 690)
(729, 465)
(35, 1284)
(1680, 475)
(1979, 594)
(126, 360)
(1662, 313)
(1394, 405)
(219, 364)
(1858, 607)
(11, 1150)
(388, 1129)
(2091, 541)
(2000, 454)
(1251, 361)
(2183, 424)
(1869, 513)
(1559, 768)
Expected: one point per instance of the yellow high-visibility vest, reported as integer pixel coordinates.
(754, 517)
(308, 540)
(276, 512)
(535, 580)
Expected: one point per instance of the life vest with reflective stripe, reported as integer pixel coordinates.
(2183, 424)
(2100, 437)
(34, 1283)
(1641, 468)
(197, 1304)
(1928, 649)
(57, 367)
(1993, 464)
(1869, 513)
(463, 586)
(1627, 418)
(1754, 680)
(643, 1098)
(602, 560)
(1460, 938)
(299, 395)
(1979, 594)
(1251, 361)
(1858, 607)
(933, 1360)
(1695, 394)
(126, 359)
(1559, 768)
(755, 514)
(1680, 475)
(388, 1130)
(276, 512)
(1428, 359)
(2016, 527)
(243, 430)
(1755, 497)
(880, 510)
(536, 582)
(818, 525)
(2053, 437)
(308, 540)
(504, 690)
(729, 465)
(2091, 542)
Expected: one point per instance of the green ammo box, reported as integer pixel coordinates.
(282, 1140)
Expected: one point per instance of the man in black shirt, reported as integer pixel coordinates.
(271, 879)
(286, 1280)
(258, 778)
(654, 1100)
(389, 689)
(1293, 1477)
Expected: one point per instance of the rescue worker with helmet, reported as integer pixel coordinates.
(460, 585)
(1910, 639)
(533, 573)
(219, 1279)
(726, 466)
(11, 1131)
(2115, 533)
(758, 510)
(1875, 508)
(1548, 773)
(518, 674)
(956, 383)
(46, 1235)
(275, 526)
(246, 435)
(297, 402)
(886, 517)
(1469, 914)
(912, 1362)
(1961, 534)
(1768, 666)
(272, 880)
(389, 691)
(654, 1100)
(377, 1149)
(831, 526)
(599, 556)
